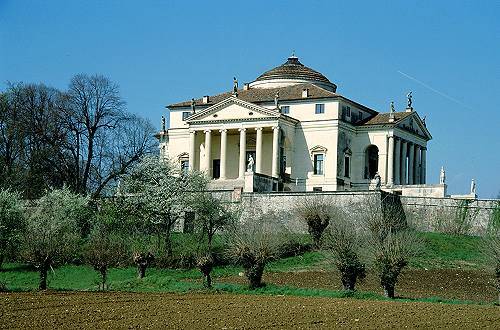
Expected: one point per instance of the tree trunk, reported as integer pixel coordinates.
(389, 291)
(1, 261)
(141, 270)
(209, 281)
(104, 277)
(168, 243)
(43, 277)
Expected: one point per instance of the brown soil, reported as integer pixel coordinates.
(222, 311)
(473, 285)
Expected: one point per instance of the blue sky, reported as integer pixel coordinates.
(161, 52)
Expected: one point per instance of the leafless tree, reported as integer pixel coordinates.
(315, 211)
(344, 240)
(255, 242)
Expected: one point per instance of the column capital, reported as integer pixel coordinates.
(207, 131)
(223, 130)
(242, 129)
(259, 128)
(192, 132)
(404, 141)
(276, 127)
(423, 148)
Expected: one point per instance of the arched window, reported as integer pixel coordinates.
(371, 161)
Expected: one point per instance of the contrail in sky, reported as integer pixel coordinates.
(435, 90)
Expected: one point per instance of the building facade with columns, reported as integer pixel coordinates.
(290, 130)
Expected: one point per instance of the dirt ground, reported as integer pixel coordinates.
(473, 285)
(81, 310)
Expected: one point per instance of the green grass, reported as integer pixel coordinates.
(449, 251)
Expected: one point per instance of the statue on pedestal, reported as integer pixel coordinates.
(235, 86)
(378, 181)
(276, 100)
(473, 187)
(442, 176)
(250, 164)
(193, 106)
(163, 123)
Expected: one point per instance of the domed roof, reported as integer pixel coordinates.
(293, 70)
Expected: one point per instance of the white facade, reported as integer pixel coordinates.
(300, 134)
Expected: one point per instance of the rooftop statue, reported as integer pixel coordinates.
(193, 105)
(442, 176)
(235, 86)
(163, 123)
(473, 187)
(410, 101)
(276, 100)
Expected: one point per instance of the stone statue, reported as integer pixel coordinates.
(235, 86)
(163, 123)
(250, 164)
(392, 107)
(378, 181)
(193, 105)
(423, 121)
(410, 101)
(473, 187)
(442, 176)
(276, 100)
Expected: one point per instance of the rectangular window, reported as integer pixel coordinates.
(185, 114)
(317, 189)
(360, 115)
(347, 166)
(320, 108)
(184, 166)
(285, 109)
(318, 164)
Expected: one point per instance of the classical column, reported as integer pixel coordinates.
(223, 149)
(192, 149)
(274, 172)
(208, 152)
(404, 150)
(411, 156)
(243, 153)
(258, 151)
(416, 170)
(423, 169)
(390, 161)
(397, 161)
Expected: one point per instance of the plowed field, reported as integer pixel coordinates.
(458, 284)
(81, 310)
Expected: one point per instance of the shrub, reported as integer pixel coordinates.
(254, 243)
(491, 249)
(345, 244)
(316, 213)
(11, 222)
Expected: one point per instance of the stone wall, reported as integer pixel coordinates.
(423, 213)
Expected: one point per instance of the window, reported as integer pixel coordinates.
(184, 166)
(320, 108)
(185, 114)
(360, 115)
(318, 164)
(346, 111)
(285, 109)
(347, 166)
(317, 189)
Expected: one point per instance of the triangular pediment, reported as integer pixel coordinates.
(232, 109)
(414, 124)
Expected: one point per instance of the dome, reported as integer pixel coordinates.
(292, 72)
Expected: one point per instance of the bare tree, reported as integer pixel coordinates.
(315, 211)
(255, 242)
(106, 141)
(212, 216)
(390, 244)
(345, 242)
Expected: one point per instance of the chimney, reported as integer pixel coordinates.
(305, 93)
(206, 99)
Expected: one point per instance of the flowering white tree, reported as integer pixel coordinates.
(52, 233)
(159, 193)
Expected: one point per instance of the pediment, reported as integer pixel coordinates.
(232, 109)
(318, 149)
(414, 124)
